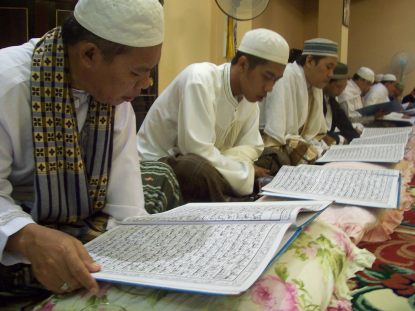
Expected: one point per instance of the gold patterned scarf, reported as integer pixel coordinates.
(71, 168)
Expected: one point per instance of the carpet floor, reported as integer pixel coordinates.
(389, 285)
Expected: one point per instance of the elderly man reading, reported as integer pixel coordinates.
(67, 139)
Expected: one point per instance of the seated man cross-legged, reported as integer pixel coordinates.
(295, 128)
(205, 123)
(68, 159)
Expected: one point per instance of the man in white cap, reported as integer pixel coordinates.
(351, 98)
(294, 119)
(205, 123)
(67, 139)
(378, 77)
(380, 92)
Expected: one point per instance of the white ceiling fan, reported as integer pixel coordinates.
(242, 10)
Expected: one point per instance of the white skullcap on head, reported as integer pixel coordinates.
(366, 73)
(388, 77)
(379, 77)
(266, 44)
(136, 23)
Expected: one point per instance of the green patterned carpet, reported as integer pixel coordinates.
(390, 284)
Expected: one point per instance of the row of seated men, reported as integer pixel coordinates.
(68, 145)
(220, 144)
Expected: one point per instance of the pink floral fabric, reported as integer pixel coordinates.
(311, 275)
(272, 293)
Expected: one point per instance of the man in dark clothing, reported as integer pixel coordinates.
(338, 124)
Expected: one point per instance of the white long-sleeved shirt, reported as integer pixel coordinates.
(286, 108)
(198, 114)
(350, 99)
(377, 94)
(124, 194)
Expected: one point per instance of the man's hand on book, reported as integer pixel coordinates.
(380, 114)
(59, 261)
(261, 172)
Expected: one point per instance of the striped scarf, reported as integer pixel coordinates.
(71, 168)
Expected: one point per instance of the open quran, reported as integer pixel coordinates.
(361, 187)
(387, 139)
(380, 153)
(381, 145)
(387, 107)
(217, 248)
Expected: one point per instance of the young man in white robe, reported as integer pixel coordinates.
(357, 87)
(378, 78)
(205, 123)
(294, 119)
(380, 92)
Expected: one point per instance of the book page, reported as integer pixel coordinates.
(398, 138)
(409, 112)
(393, 115)
(364, 153)
(235, 211)
(212, 258)
(399, 117)
(365, 187)
(379, 131)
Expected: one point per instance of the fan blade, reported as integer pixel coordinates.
(242, 9)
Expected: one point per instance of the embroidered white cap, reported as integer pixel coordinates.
(320, 47)
(366, 73)
(388, 77)
(136, 23)
(378, 77)
(266, 44)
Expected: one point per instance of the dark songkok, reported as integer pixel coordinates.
(340, 72)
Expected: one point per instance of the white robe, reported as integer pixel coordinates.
(377, 94)
(124, 194)
(350, 99)
(198, 114)
(286, 108)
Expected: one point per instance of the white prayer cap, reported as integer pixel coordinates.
(366, 73)
(266, 44)
(388, 77)
(136, 23)
(379, 77)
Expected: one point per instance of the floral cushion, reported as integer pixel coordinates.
(310, 275)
